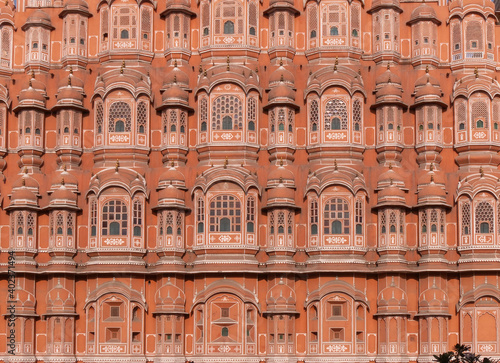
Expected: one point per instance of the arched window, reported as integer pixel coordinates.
(59, 224)
(225, 214)
(124, 34)
(250, 215)
(484, 217)
(225, 332)
(20, 222)
(466, 218)
(93, 218)
(200, 215)
(137, 218)
(336, 216)
(314, 216)
(114, 218)
(227, 123)
(479, 124)
(227, 113)
(228, 27)
(334, 30)
(335, 115)
(359, 217)
(314, 115)
(120, 117)
(392, 222)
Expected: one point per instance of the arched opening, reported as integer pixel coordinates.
(335, 123)
(114, 228)
(336, 227)
(225, 332)
(228, 27)
(484, 227)
(124, 34)
(251, 126)
(203, 126)
(119, 126)
(479, 124)
(137, 231)
(225, 225)
(170, 230)
(227, 123)
(334, 30)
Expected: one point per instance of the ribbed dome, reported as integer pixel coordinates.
(280, 173)
(176, 75)
(428, 90)
(423, 11)
(31, 94)
(6, 12)
(282, 91)
(74, 81)
(39, 16)
(390, 175)
(69, 93)
(388, 77)
(75, 3)
(389, 90)
(25, 181)
(24, 196)
(281, 192)
(171, 192)
(63, 193)
(426, 78)
(175, 93)
(281, 75)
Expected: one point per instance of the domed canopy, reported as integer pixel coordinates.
(63, 198)
(38, 18)
(423, 12)
(32, 98)
(282, 75)
(388, 77)
(75, 6)
(172, 176)
(175, 76)
(23, 198)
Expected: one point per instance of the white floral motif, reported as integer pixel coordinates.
(225, 238)
(336, 348)
(114, 241)
(224, 348)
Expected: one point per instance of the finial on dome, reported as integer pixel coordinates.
(481, 171)
(33, 73)
(432, 178)
(175, 78)
(427, 69)
(281, 62)
(388, 66)
(69, 81)
(282, 78)
(62, 181)
(225, 163)
(117, 165)
(23, 182)
(70, 69)
(205, 73)
(256, 69)
(64, 167)
(227, 61)
(25, 170)
(172, 164)
(336, 63)
(200, 69)
(335, 165)
(391, 181)
(281, 161)
(281, 180)
(29, 84)
(476, 72)
(175, 63)
(390, 166)
(431, 167)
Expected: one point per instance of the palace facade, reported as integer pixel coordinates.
(245, 181)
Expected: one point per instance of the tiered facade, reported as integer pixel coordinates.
(249, 181)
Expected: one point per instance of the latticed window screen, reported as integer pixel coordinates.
(178, 224)
(466, 218)
(314, 216)
(114, 218)
(484, 217)
(224, 107)
(335, 115)
(120, 117)
(200, 214)
(272, 120)
(251, 214)
(99, 117)
(20, 223)
(93, 218)
(474, 36)
(205, 18)
(434, 220)
(479, 114)
(146, 22)
(6, 44)
(423, 221)
(461, 114)
(334, 20)
(314, 115)
(229, 17)
(225, 214)
(30, 223)
(456, 34)
(124, 23)
(355, 20)
(490, 34)
(359, 216)
(356, 115)
(142, 117)
(313, 20)
(137, 218)
(104, 22)
(252, 18)
(281, 222)
(59, 224)
(336, 216)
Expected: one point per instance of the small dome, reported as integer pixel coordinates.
(176, 75)
(281, 91)
(171, 192)
(25, 181)
(73, 82)
(428, 90)
(392, 192)
(172, 176)
(69, 93)
(6, 12)
(390, 175)
(281, 75)
(69, 179)
(426, 78)
(389, 90)
(63, 194)
(281, 173)
(388, 77)
(31, 94)
(23, 196)
(432, 190)
(281, 192)
(39, 17)
(423, 11)
(175, 93)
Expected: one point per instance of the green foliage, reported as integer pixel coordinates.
(461, 354)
